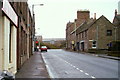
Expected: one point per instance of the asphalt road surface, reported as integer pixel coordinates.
(65, 64)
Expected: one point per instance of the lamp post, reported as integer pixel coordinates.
(33, 14)
(75, 36)
(33, 24)
(33, 8)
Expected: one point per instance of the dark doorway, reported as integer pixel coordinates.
(82, 46)
(78, 44)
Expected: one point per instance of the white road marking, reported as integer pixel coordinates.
(86, 74)
(81, 70)
(66, 72)
(93, 77)
(75, 68)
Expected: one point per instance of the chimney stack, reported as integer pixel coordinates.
(94, 16)
(115, 12)
(83, 14)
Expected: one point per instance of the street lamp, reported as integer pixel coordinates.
(33, 7)
(33, 24)
(33, 14)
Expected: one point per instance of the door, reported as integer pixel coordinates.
(82, 46)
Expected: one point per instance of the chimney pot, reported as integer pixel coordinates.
(95, 16)
(115, 12)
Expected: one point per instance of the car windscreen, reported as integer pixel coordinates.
(43, 47)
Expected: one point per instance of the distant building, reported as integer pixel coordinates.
(39, 38)
(116, 22)
(52, 40)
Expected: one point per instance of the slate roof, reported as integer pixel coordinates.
(87, 25)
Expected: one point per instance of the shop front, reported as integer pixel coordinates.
(8, 37)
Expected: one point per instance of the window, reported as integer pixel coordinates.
(82, 34)
(10, 45)
(109, 32)
(85, 33)
(94, 44)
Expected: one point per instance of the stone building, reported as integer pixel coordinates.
(116, 22)
(95, 34)
(88, 33)
(82, 16)
(69, 38)
(16, 37)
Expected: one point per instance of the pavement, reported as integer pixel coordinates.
(33, 68)
(109, 57)
(99, 55)
(104, 56)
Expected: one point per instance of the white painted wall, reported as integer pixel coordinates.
(11, 67)
(1, 43)
(6, 42)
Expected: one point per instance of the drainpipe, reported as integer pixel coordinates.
(97, 38)
(75, 36)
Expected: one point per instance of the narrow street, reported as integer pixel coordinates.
(64, 64)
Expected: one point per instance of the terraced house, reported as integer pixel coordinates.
(8, 37)
(95, 34)
(116, 22)
(16, 28)
(92, 34)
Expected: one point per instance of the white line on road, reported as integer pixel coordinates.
(86, 74)
(77, 68)
(81, 70)
(93, 77)
(74, 66)
(66, 72)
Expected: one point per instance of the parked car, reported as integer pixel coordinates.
(43, 48)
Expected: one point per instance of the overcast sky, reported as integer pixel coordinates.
(51, 19)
